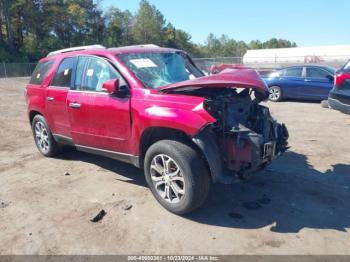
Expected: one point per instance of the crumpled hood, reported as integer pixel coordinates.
(235, 78)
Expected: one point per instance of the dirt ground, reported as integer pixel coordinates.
(299, 205)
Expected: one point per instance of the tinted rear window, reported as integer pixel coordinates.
(316, 72)
(40, 72)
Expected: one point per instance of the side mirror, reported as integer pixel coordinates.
(111, 86)
(330, 78)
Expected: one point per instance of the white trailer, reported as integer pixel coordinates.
(333, 55)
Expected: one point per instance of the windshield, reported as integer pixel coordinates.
(160, 69)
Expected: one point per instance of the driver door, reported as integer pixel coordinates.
(98, 120)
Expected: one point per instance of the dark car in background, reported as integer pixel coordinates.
(339, 97)
(310, 82)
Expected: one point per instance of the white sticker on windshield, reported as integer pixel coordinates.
(89, 72)
(143, 63)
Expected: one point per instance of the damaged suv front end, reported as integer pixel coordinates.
(245, 138)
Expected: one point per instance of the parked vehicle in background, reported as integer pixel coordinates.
(217, 68)
(154, 108)
(310, 82)
(339, 97)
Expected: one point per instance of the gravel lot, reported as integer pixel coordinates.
(299, 205)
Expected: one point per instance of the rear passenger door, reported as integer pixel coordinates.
(56, 96)
(291, 81)
(317, 83)
(98, 120)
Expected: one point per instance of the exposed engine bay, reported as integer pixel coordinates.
(246, 133)
(250, 138)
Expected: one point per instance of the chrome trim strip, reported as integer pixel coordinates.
(93, 135)
(88, 92)
(131, 159)
(104, 150)
(58, 87)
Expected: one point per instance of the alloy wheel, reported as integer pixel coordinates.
(42, 136)
(167, 178)
(274, 93)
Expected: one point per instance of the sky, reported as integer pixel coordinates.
(306, 22)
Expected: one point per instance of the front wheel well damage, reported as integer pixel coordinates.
(155, 134)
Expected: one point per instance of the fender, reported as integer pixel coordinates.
(208, 145)
(189, 119)
(35, 101)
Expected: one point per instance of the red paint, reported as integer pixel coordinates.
(239, 77)
(340, 78)
(214, 69)
(235, 155)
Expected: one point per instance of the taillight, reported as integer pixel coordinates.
(339, 79)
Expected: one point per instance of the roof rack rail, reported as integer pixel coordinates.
(142, 45)
(77, 48)
(146, 45)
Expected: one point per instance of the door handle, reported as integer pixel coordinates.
(307, 80)
(74, 105)
(50, 98)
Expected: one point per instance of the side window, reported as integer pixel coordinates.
(316, 73)
(276, 74)
(293, 72)
(40, 72)
(63, 76)
(80, 72)
(96, 72)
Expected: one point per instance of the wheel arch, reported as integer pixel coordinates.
(32, 114)
(203, 142)
(154, 134)
(281, 90)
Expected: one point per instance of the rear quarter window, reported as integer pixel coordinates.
(40, 72)
(63, 75)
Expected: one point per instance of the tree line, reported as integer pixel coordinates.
(29, 29)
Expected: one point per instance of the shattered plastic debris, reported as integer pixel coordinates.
(99, 216)
(127, 207)
(4, 204)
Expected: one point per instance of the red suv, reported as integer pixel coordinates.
(154, 108)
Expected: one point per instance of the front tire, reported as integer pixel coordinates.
(177, 176)
(43, 137)
(275, 93)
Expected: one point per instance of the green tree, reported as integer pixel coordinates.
(149, 24)
(119, 24)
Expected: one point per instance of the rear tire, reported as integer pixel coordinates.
(275, 93)
(43, 138)
(177, 176)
